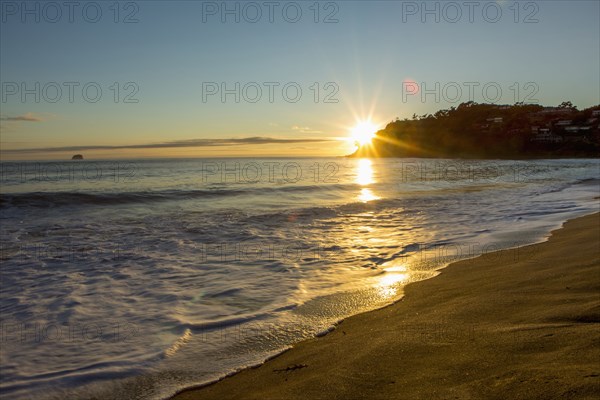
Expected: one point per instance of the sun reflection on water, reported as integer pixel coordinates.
(364, 176)
(364, 172)
(388, 283)
(367, 195)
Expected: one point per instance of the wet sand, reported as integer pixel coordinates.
(515, 324)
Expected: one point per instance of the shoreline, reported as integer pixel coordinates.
(307, 368)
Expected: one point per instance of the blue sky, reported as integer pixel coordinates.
(361, 60)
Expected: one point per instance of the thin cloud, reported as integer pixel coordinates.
(304, 129)
(29, 117)
(175, 144)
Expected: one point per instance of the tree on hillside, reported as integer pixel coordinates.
(567, 105)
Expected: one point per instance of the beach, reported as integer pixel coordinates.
(299, 200)
(520, 323)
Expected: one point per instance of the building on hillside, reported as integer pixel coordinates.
(563, 122)
(544, 135)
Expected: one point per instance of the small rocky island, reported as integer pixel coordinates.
(77, 157)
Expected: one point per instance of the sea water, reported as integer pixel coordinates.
(138, 278)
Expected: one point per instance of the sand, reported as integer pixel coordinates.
(516, 324)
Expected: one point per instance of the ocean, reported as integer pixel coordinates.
(134, 279)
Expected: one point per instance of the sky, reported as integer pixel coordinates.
(216, 79)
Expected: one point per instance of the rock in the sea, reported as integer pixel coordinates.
(77, 157)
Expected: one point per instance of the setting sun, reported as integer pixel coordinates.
(363, 132)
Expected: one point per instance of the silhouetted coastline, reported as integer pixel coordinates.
(484, 131)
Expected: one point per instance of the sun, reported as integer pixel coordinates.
(363, 132)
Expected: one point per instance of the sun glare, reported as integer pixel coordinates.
(364, 132)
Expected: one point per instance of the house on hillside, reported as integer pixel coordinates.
(563, 122)
(577, 133)
(544, 135)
